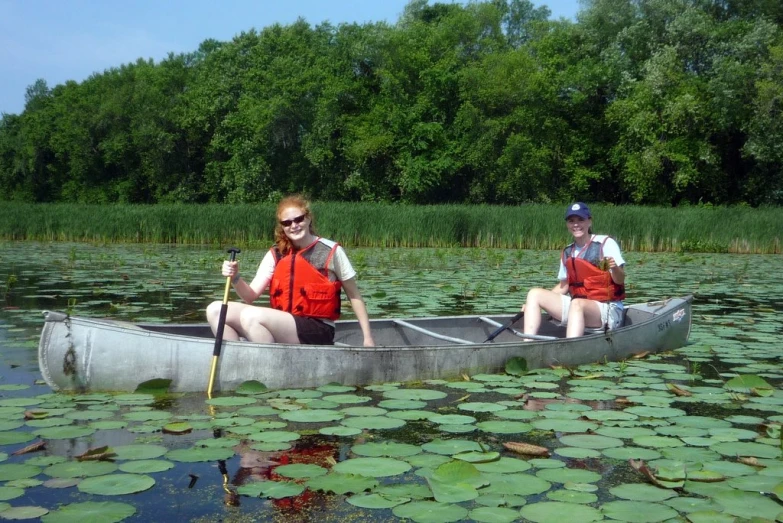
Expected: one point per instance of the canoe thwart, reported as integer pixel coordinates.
(432, 334)
(516, 332)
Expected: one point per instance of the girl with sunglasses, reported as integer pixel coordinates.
(591, 289)
(305, 274)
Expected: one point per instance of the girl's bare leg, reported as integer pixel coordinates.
(582, 313)
(538, 299)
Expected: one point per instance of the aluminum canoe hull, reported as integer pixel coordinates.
(89, 354)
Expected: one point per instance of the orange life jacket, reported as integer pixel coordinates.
(300, 284)
(586, 279)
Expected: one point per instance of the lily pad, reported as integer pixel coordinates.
(24, 512)
(197, 454)
(373, 422)
(638, 511)
(641, 492)
(80, 469)
(430, 512)
(116, 484)
(342, 483)
(146, 466)
(12, 471)
(312, 415)
(372, 467)
(556, 511)
(104, 511)
(414, 394)
(376, 501)
(451, 446)
(386, 449)
(271, 489)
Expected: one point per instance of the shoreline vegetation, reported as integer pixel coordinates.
(738, 229)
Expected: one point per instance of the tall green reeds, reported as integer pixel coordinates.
(530, 226)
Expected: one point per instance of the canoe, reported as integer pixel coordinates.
(87, 354)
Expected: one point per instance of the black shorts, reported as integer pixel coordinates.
(313, 332)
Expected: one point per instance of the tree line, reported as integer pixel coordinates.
(663, 102)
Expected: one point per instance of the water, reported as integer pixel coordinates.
(736, 330)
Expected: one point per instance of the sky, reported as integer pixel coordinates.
(61, 40)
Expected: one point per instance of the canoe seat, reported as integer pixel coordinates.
(432, 334)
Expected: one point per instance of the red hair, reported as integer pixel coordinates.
(282, 242)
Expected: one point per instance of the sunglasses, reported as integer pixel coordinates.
(297, 220)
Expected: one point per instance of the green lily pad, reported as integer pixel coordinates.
(742, 504)
(427, 460)
(455, 471)
(749, 383)
(481, 407)
(342, 399)
(342, 483)
(372, 467)
(271, 489)
(275, 436)
(376, 501)
(477, 457)
(24, 512)
(116, 484)
(402, 404)
(451, 446)
(251, 387)
(504, 465)
(12, 471)
(641, 492)
(300, 470)
(146, 466)
(516, 366)
(339, 431)
(386, 449)
(7, 493)
(65, 432)
(451, 492)
(364, 411)
(638, 511)
(312, 415)
(572, 496)
(197, 454)
(590, 441)
(740, 448)
(451, 419)
(521, 484)
(556, 511)
(373, 422)
(430, 512)
(414, 394)
(103, 511)
(80, 469)
(14, 438)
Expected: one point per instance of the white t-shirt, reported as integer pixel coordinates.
(339, 268)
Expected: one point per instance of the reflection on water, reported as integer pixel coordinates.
(737, 303)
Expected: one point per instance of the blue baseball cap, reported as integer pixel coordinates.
(578, 209)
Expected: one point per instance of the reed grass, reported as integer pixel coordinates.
(530, 226)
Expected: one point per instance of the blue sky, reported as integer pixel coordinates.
(60, 40)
